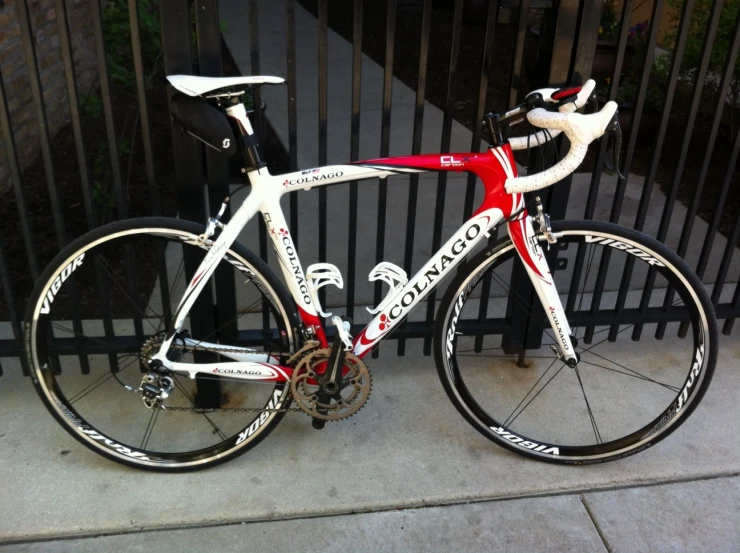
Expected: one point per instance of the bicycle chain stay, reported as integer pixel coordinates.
(305, 350)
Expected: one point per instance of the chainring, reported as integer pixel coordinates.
(346, 402)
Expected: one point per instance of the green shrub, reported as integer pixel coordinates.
(720, 48)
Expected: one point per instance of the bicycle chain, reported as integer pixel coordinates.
(308, 346)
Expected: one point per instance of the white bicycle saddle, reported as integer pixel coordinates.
(197, 86)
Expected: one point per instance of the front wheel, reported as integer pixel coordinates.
(624, 395)
(100, 309)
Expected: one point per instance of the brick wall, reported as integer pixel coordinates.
(15, 74)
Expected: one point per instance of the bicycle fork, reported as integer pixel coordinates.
(527, 243)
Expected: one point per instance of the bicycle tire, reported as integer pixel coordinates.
(467, 398)
(280, 306)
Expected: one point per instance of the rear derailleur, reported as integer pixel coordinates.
(156, 386)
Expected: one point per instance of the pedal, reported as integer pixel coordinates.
(319, 275)
(318, 424)
(394, 276)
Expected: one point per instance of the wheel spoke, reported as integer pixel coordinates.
(588, 407)
(507, 422)
(224, 325)
(149, 428)
(553, 420)
(99, 382)
(583, 288)
(106, 266)
(175, 281)
(634, 374)
(90, 387)
(192, 402)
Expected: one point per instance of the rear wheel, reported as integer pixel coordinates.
(99, 308)
(624, 395)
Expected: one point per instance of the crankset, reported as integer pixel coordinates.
(330, 389)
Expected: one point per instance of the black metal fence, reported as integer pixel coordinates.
(567, 41)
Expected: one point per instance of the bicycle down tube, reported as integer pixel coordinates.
(493, 167)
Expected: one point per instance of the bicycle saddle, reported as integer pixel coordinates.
(197, 86)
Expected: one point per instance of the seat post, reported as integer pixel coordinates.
(247, 137)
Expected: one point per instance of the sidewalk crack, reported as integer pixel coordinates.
(592, 516)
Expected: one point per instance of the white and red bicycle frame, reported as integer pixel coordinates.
(493, 168)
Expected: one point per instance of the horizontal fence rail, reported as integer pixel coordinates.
(556, 45)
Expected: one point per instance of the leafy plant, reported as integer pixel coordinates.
(655, 92)
(609, 25)
(117, 32)
(103, 198)
(720, 48)
(91, 105)
(630, 80)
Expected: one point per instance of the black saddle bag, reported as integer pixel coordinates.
(204, 121)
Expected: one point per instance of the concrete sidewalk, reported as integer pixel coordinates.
(691, 516)
(408, 448)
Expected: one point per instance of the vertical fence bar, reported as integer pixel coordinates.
(662, 128)
(516, 66)
(385, 140)
(691, 214)
(475, 142)
(719, 208)
(15, 322)
(677, 57)
(480, 104)
(146, 139)
(254, 56)
(323, 138)
(29, 51)
(690, 120)
(613, 88)
(426, 22)
(599, 164)
(117, 185)
(74, 109)
(146, 136)
(292, 111)
(25, 225)
(444, 148)
(15, 179)
(622, 182)
(724, 265)
(735, 306)
(588, 35)
(176, 50)
(105, 95)
(354, 153)
(526, 327)
(34, 78)
(210, 64)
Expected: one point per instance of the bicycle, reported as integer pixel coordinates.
(143, 407)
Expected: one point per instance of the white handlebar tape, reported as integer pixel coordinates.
(581, 130)
(539, 138)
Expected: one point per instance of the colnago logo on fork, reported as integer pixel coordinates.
(290, 363)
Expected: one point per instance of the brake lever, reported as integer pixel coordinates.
(615, 132)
